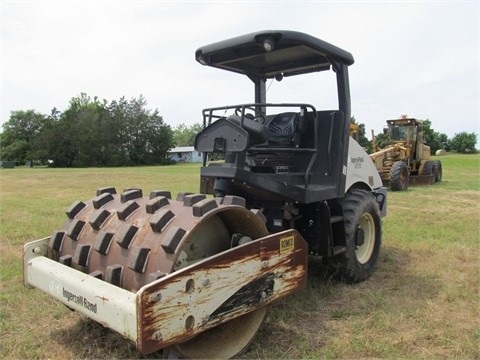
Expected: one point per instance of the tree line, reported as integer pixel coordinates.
(89, 132)
(124, 132)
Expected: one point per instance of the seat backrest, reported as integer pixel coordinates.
(283, 124)
(283, 129)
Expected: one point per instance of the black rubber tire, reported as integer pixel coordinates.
(361, 216)
(437, 166)
(428, 168)
(399, 176)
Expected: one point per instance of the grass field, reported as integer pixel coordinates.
(421, 302)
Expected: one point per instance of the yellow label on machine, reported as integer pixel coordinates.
(287, 244)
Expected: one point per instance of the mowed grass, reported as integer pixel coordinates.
(421, 302)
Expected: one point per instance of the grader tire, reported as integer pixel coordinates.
(437, 166)
(428, 168)
(130, 240)
(399, 176)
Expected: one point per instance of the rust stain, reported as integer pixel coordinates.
(103, 298)
(288, 275)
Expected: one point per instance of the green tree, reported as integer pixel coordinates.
(43, 144)
(382, 140)
(19, 135)
(88, 119)
(433, 138)
(444, 142)
(89, 132)
(464, 142)
(74, 137)
(158, 139)
(184, 135)
(360, 135)
(141, 135)
(57, 141)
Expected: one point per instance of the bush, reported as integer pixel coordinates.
(464, 143)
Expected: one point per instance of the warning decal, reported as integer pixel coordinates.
(287, 244)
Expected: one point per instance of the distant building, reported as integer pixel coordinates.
(186, 154)
(7, 164)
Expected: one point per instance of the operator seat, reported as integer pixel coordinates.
(283, 130)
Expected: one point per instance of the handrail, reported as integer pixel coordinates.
(209, 115)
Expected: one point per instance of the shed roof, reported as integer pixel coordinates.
(181, 149)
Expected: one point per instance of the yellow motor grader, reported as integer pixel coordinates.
(194, 275)
(406, 159)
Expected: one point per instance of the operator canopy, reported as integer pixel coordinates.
(269, 54)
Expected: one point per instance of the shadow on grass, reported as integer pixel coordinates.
(89, 339)
(307, 324)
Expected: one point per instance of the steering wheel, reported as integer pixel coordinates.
(259, 116)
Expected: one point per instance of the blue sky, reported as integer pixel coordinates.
(419, 58)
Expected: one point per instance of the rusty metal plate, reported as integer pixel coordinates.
(220, 288)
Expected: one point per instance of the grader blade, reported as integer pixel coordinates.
(421, 180)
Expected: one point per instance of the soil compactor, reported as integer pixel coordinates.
(406, 159)
(195, 275)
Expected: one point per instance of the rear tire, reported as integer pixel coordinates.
(437, 166)
(428, 168)
(399, 176)
(363, 234)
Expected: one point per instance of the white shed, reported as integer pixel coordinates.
(185, 154)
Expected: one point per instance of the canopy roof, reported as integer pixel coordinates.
(266, 54)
